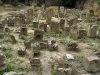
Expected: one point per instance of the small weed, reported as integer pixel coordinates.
(10, 67)
(52, 69)
(23, 69)
(1, 16)
(79, 61)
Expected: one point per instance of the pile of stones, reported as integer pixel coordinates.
(72, 46)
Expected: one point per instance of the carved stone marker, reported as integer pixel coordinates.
(92, 31)
(21, 50)
(35, 63)
(38, 34)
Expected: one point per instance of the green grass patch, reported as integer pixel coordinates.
(7, 52)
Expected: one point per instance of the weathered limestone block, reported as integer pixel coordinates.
(41, 26)
(56, 12)
(49, 14)
(82, 33)
(2, 61)
(86, 74)
(92, 63)
(13, 73)
(38, 34)
(67, 30)
(13, 39)
(23, 31)
(74, 21)
(30, 15)
(95, 7)
(21, 50)
(55, 27)
(69, 58)
(74, 32)
(92, 31)
(72, 46)
(36, 48)
(63, 71)
(39, 14)
(27, 44)
(62, 23)
(35, 23)
(18, 20)
(43, 45)
(70, 22)
(10, 21)
(35, 63)
(61, 14)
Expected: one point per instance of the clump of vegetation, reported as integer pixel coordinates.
(52, 70)
(50, 8)
(10, 67)
(31, 7)
(1, 16)
(79, 61)
(98, 2)
(1, 2)
(7, 52)
(13, 66)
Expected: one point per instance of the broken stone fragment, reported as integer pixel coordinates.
(82, 33)
(67, 30)
(13, 73)
(62, 23)
(13, 40)
(73, 31)
(87, 74)
(92, 31)
(92, 63)
(38, 34)
(27, 44)
(10, 21)
(72, 46)
(35, 23)
(55, 25)
(23, 31)
(43, 45)
(35, 63)
(21, 50)
(62, 68)
(36, 48)
(2, 61)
